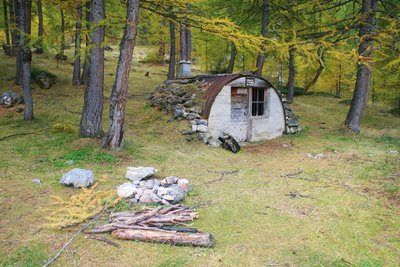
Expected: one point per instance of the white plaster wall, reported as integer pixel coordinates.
(220, 114)
(273, 124)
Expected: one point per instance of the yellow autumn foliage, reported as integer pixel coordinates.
(80, 207)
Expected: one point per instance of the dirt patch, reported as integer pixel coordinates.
(269, 146)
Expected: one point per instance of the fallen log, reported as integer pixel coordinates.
(166, 237)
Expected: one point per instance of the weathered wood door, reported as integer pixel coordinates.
(239, 113)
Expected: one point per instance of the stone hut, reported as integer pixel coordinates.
(244, 106)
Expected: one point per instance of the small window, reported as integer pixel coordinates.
(257, 102)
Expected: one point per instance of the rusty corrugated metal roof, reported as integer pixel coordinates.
(215, 84)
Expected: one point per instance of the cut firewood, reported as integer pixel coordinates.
(166, 237)
(161, 224)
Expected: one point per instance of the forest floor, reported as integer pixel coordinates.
(281, 208)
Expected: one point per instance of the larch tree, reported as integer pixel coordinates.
(7, 47)
(39, 49)
(91, 121)
(24, 26)
(115, 137)
(264, 24)
(172, 51)
(76, 76)
(364, 71)
(86, 64)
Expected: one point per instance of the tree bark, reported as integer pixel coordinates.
(292, 73)
(18, 60)
(231, 65)
(115, 137)
(166, 237)
(7, 32)
(321, 55)
(62, 33)
(339, 81)
(39, 49)
(364, 71)
(183, 43)
(76, 77)
(13, 23)
(91, 121)
(264, 24)
(172, 51)
(161, 44)
(24, 25)
(86, 64)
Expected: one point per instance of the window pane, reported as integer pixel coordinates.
(260, 94)
(260, 109)
(254, 94)
(254, 109)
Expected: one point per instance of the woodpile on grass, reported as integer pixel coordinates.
(166, 225)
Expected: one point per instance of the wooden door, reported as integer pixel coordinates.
(239, 113)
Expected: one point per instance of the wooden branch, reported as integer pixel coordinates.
(166, 237)
(21, 134)
(102, 239)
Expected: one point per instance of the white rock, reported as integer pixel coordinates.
(168, 197)
(171, 179)
(149, 196)
(36, 181)
(202, 128)
(393, 152)
(126, 190)
(139, 173)
(77, 178)
(194, 128)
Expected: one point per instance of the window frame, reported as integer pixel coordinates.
(258, 102)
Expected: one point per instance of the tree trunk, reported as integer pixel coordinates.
(7, 32)
(90, 125)
(292, 73)
(339, 81)
(321, 55)
(183, 43)
(166, 237)
(76, 77)
(231, 65)
(188, 44)
(172, 51)
(18, 60)
(39, 48)
(24, 17)
(13, 24)
(264, 24)
(115, 138)
(161, 44)
(62, 33)
(86, 64)
(363, 81)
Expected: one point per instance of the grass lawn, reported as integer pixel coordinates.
(348, 215)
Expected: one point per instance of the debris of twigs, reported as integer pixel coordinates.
(159, 225)
(222, 176)
(296, 194)
(102, 239)
(292, 174)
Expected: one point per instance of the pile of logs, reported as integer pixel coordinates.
(160, 225)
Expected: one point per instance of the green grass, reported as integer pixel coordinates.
(352, 217)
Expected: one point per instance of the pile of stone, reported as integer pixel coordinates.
(11, 99)
(145, 188)
(44, 79)
(182, 101)
(292, 121)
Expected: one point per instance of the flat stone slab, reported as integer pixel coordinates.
(78, 178)
(139, 173)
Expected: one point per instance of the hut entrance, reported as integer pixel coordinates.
(239, 113)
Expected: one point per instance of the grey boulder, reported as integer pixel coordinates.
(10, 99)
(78, 178)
